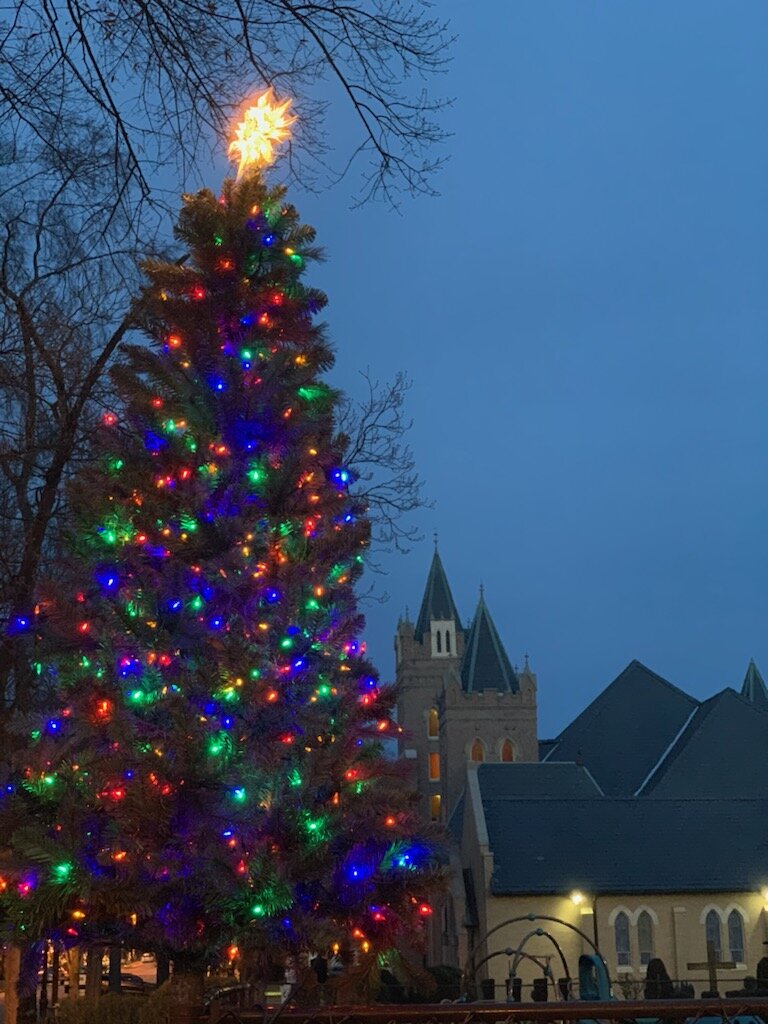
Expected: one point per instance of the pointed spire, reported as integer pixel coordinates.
(754, 689)
(438, 600)
(485, 665)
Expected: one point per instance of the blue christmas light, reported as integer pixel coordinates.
(342, 476)
(107, 577)
(359, 871)
(272, 596)
(154, 442)
(53, 724)
(130, 666)
(19, 624)
(175, 604)
(216, 622)
(216, 382)
(268, 240)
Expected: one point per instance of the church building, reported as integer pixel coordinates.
(460, 699)
(642, 829)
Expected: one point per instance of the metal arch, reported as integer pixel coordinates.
(510, 952)
(555, 943)
(530, 917)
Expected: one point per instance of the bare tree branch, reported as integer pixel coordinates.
(375, 429)
(164, 79)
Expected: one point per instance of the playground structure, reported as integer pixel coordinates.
(594, 984)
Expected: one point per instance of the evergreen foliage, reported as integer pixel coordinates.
(213, 770)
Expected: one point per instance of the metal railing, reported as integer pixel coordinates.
(690, 1010)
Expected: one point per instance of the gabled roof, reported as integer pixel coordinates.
(719, 753)
(521, 780)
(754, 689)
(626, 845)
(545, 748)
(455, 822)
(485, 665)
(626, 730)
(438, 600)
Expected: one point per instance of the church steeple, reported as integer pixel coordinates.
(438, 604)
(485, 665)
(754, 689)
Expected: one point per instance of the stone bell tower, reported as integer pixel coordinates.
(460, 699)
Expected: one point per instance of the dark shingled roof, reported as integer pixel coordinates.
(456, 820)
(627, 845)
(536, 781)
(754, 689)
(438, 600)
(720, 753)
(485, 665)
(545, 747)
(625, 731)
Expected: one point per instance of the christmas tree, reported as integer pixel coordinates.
(213, 771)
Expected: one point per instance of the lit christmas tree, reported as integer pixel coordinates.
(214, 771)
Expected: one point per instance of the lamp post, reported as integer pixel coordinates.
(579, 899)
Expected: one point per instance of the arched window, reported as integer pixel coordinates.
(447, 641)
(439, 640)
(645, 937)
(507, 751)
(433, 724)
(434, 805)
(736, 937)
(478, 751)
(623, 947)
(712, 931)
(434, 767)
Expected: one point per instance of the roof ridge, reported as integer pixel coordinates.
(584, 715)
(676, 747)
(496, 663)
(437, 602)
(667, 753)
(666, 682)
(754, 689)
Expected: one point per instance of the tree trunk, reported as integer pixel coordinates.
(74, 959)
(12, 968)
(93, 972)
(163, 969)
(42, 1008)
(55, 967)
(115, 968)
(26, 986)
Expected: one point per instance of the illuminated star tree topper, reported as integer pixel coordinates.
(265, 125)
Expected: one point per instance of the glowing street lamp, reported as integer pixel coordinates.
(264, 127)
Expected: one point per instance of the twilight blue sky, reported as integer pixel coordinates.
(584, 314)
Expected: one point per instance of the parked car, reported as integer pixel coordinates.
(130, 983)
